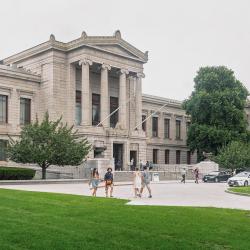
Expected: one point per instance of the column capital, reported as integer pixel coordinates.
(131, 77)
(85, 61)
(140, 75)
(124, 71)
(106, 66)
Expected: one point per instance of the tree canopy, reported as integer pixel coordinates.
(48, 143)
(216, 107)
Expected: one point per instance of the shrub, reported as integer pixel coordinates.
(235, 155)
(9, 173)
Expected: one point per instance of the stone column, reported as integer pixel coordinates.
(85, 92)
(105, 94)
(123, 99)
(138, 101)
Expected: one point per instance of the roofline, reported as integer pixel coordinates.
(161, 100)
(18, 73)
(84, 40)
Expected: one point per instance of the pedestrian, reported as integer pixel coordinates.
(141, 165)
(119, 165)
(146, 178)
(108, 178)
(196, 175)
(183, 174)
(132, 164)
(137, 182)
(94, 181)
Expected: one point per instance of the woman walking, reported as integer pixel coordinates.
(137, 182)
(94, 181)
(196, 175)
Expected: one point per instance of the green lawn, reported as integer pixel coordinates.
(30, 220)
(245, 190)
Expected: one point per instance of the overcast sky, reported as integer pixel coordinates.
(180, 35)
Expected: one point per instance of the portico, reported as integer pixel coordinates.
(101, 85)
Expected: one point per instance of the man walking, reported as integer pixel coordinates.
(108, 179)
(146, 177)
(183, 174)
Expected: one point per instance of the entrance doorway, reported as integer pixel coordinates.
(118, 156)
(133, 159)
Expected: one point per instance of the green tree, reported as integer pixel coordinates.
(234, 155)
(216, 107)
(48, 143)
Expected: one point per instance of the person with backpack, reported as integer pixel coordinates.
(146, 178)
(108, 179)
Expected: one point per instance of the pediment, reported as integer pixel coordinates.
(117, 49)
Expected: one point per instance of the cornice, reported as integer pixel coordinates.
(161, 100)
(16, 73)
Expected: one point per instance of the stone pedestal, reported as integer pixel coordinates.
(206, 167)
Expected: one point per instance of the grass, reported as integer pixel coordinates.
(244, 190)
(30, 220)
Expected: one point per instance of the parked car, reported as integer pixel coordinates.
(217, 176)
(241, 179)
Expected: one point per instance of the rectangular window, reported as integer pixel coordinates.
(188, 157)
(78, 108)
(114, 103)
(3, 147)
(144, 125)
(155, 156)
(155, 126)
(178, 156)
(25, 111)
(167, 156)
(178, 129)
(166, 128)
(3, 109)
(96, 108)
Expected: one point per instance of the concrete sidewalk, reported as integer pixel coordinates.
(170, 193)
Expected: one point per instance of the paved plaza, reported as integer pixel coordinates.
(169, 193)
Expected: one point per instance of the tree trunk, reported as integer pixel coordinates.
(43, 172)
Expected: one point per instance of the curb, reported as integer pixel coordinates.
(237, 193)
(49, 181)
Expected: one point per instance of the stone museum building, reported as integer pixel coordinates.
(95, 83)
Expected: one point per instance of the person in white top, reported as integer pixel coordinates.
(137, 179)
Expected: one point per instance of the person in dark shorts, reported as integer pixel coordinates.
(183, 174)
(108, 179)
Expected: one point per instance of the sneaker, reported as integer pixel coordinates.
(150, 196)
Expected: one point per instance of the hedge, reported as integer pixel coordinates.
(9, 173)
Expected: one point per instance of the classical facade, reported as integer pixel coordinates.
(95, 83)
